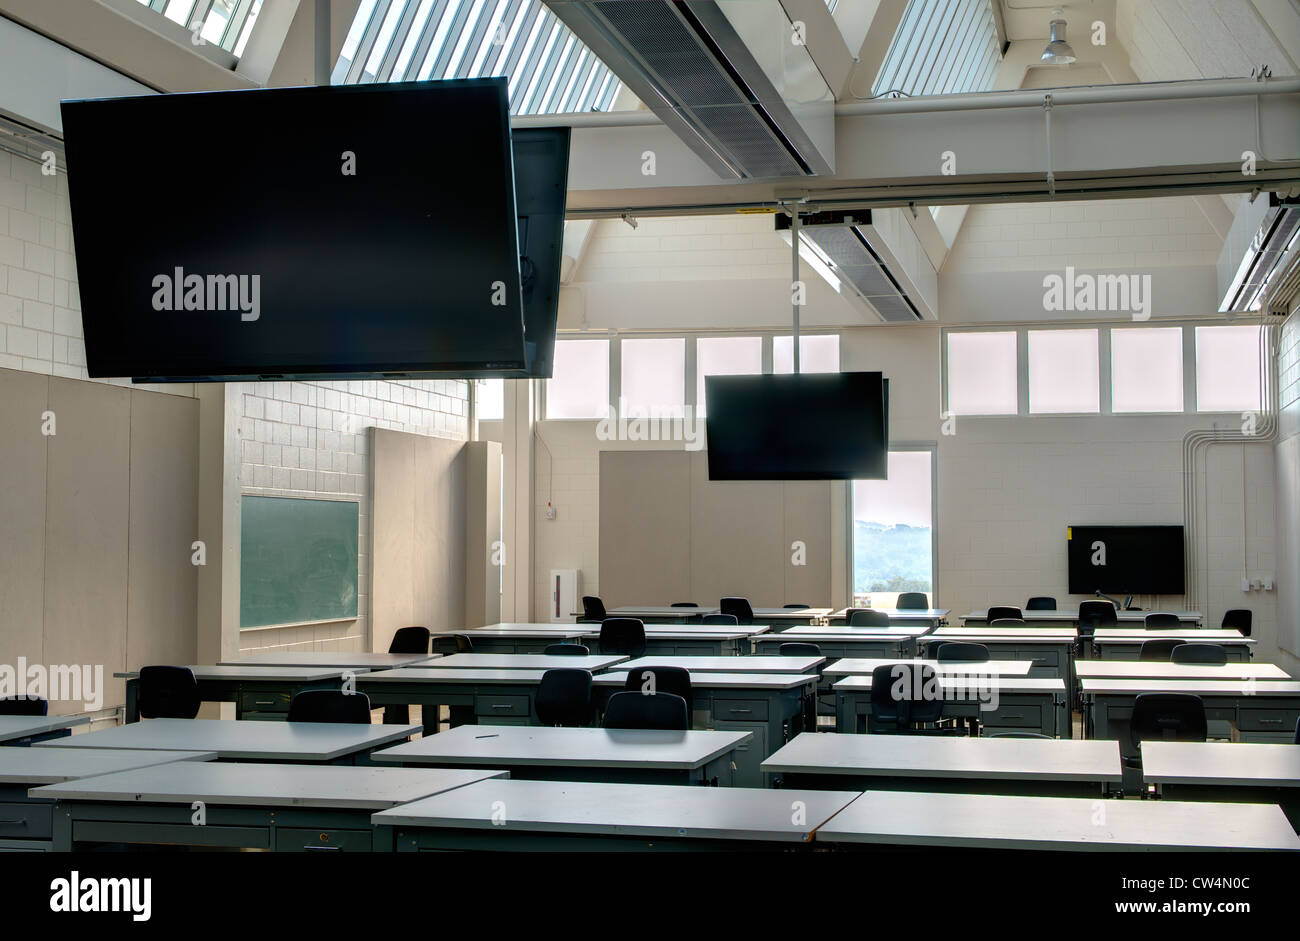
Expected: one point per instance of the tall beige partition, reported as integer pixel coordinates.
(484, 545)
(645, 526)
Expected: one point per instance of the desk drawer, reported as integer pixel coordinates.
(1266, 720)
(269, 701)
(490, 705)
(1015, 716)
(754, 710)
(34, 821)
(302, 839)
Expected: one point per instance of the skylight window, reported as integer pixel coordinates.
(224, 23)
(941, 49)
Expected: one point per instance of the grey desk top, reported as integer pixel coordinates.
(51, 765)
(246, 738)
(1221, 763)
(342, 787)
(16, 727)
(346, 661)
(972, 681)
(635, 810)
(512, 745)
(948, 757)
(659, 611)
(1133, 669)
(555, 633)
(1069, 823)
(1202, 635)
(522, 661)
(905, 614)
(1030, 633)
(838, 631)
(465, 676)
(727, 664)
(785, 614)
(1072, 614)
(765, 681)
(692, 632)
(1247, 687)
(863, 666)
(227, 671)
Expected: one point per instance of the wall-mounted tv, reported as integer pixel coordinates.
(340, 232)
(811, 426)
(1136, 560)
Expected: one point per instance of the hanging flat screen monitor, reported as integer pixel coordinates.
(1137, 560)
(324, 232)
(541, 156)
(821, 426)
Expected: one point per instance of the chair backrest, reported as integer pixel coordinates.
(898, 695)
(739, 607)
(564, 697)
(951, 652)
(1000, 611)
(632, 710)
(797, 606)
(728, 619)
(622, 636)
(1159, 619)
(1159, 650)
(1040, 603)
(593, 608)
(24, 706)
(651, 681)
(567, 650)
(168, 692)
(330, 705)
(1214, 654)
(1238, 619)
(1007, 622)
(1297, 731)
(684, 604)
(410, 640)
(799, 649)
(913, 601)
(865, 617)
(1095, 613)
(1178, 717)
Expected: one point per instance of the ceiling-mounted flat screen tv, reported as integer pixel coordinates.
(1137, 560)
(323, 232)
(811, 426)
(541, 157)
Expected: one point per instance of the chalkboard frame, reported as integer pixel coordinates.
(345, 613)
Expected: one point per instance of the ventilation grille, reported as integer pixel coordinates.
(855, 262)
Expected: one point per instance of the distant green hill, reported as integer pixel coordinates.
(890, 558)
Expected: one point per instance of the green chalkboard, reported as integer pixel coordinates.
(298, 561)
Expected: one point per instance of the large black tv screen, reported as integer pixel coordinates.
(1137, 560)
(821, 426)
(350, 231)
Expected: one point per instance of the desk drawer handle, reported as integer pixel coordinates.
(1008, 715)
(263, 702)
(323, 849)
(739, 710)
(502, 705)
(1270, 722)
(19, 822)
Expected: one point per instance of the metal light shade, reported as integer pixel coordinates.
(1058, 51)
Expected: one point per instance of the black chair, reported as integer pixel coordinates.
(1000, 611)
(798, 649)
(651, 681)
(1161, 620)
(950, 652)
(1213, 654)
(1007, 622)
(564, 698)
(593, 610)
(1177, 717)
(1159, 650)
(894, 713)
(1094, 614)
(683, 604)
(24, 706)
(798, 606)
(410, 640)
(453, 643)
(728, 619)
(1297, 732)
(330, 705)
(912, 601)
(1238, 619)
(865, 617)
(168, 692)
(622, 636)
(567, 650)
(739, 607)
(1040, 603)
(629, 710)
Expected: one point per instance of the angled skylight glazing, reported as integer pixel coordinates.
(942, 47)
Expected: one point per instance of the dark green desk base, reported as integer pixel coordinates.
(875, 782)
(421, 840)
(716, 773)
(1032, 712)
(253, 699)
